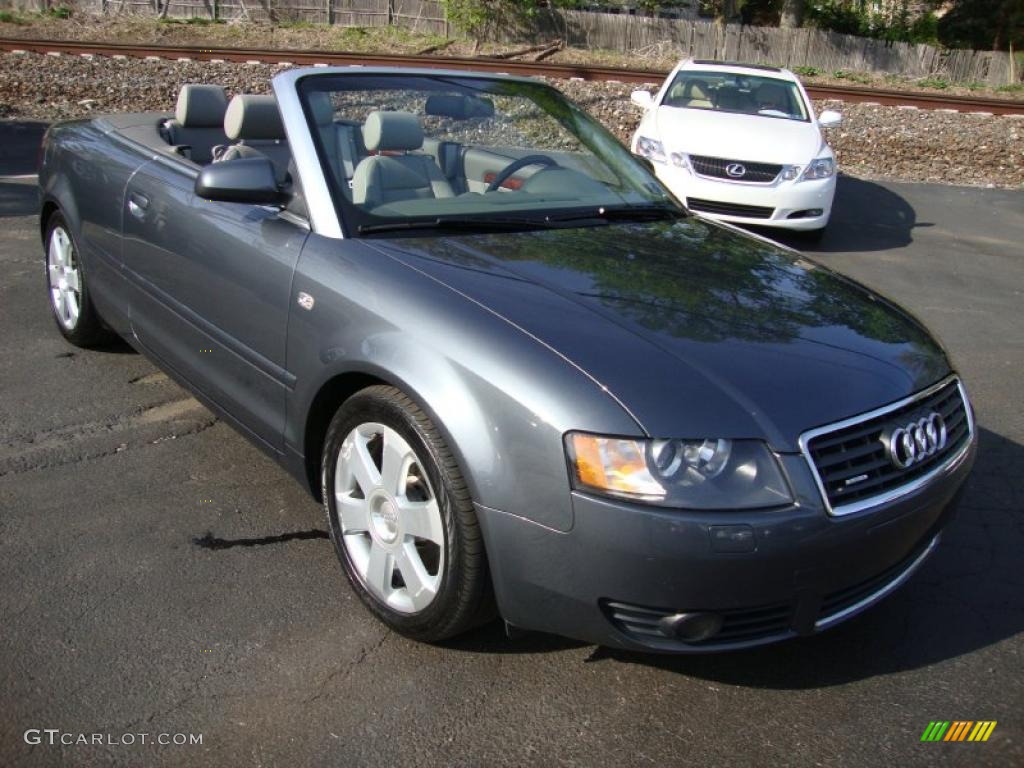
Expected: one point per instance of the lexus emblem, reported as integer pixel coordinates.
(914, 442)
(736, 170)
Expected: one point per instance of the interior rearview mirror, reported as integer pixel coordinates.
(829, 119)
(244, 180)
(642, 99)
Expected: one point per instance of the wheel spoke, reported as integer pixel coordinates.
(379, 569)
(354, 514)
(71, 276)
(395, 464)
(71, 302)
(363, 468)
(419, 584)
(59, 298)
(421, 519)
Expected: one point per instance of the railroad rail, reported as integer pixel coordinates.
(485, 64)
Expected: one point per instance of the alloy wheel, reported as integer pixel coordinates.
(389, 518)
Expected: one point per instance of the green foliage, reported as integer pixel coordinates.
(1015, 88)
(472, 17)
(853, 77)
(806, 71)
(59, 12)
(192, 21)
(854, 19)
(11, 17)
(933, 82)
(983, 25)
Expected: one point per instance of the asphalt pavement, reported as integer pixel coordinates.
(160, 576)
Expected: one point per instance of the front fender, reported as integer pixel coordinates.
(502, 400)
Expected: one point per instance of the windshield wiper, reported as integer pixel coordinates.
(483, 224)
(623, 213)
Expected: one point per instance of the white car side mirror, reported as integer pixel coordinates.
(829, 119)
(642, 99)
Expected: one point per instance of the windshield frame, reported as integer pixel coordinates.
(597, 140)
(792, 85)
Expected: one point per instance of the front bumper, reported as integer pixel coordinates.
(783, 199)
(622, 568)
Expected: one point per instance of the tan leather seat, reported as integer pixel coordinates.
(396, 175)
(198, 122)
(254, 124)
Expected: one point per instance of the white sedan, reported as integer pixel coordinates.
(740, 143)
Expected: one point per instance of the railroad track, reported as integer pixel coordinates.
(542, 69)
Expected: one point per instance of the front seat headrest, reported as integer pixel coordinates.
(253, 118)
(392, 131)
(201, 106)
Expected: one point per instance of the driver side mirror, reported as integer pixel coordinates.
(642, 99)
(243, 180)
(829, 119)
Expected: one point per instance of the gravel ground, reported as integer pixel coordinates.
(873, 142)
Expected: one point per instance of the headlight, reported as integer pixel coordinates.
(679, 160)
(689, 474)
(651, 149)
(790, 172)
(821, 168)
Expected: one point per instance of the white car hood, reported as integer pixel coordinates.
(732, 136)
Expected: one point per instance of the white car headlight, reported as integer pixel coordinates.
(790, 172)
(651, 149)
(680, 160)
(821, 168)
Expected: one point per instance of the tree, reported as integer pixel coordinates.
(984, 25)
(791, 14)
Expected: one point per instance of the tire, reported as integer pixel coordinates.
(403, 527)
(67, 288)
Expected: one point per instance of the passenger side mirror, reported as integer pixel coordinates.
(642, 99)
(829, 119)
(243, 180)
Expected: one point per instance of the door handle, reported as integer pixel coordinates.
(137, 205)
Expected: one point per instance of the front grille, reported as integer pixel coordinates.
(740, 626)
(729, 209)
(851, 460)
(715, 167)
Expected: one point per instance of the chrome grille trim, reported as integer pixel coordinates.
(945, 467)
(827, 621)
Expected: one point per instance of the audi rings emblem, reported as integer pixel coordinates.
(913, 443)
(736, 170)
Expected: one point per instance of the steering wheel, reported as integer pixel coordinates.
(518, 165)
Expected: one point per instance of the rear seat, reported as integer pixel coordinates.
(198, 124)
(342, 142)
(254, 124)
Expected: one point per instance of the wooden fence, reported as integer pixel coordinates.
(645, 37)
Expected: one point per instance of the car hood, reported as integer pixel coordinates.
(695, 329)
(753, 138)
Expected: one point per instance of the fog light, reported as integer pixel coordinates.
(691, 627)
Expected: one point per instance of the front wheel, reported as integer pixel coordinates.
(401, 519)
(70, 302)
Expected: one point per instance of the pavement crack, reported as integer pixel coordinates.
(343, 672)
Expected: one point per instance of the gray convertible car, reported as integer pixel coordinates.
(521, 378)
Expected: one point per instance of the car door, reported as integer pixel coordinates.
(211, 283)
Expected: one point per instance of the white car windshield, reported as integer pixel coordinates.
(738, 93)
(410, 151)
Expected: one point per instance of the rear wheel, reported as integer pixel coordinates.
(401, 519)
(72, 307)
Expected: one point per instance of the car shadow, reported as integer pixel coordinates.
(866, 216)
(18, 199)
(965, 598)
(19, 146)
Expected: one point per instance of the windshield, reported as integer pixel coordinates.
(407, 151)
(737, 93)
